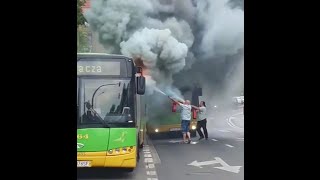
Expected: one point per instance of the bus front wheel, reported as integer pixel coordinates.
(138, 150)
(141, 145)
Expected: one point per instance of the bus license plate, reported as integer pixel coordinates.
(83, 164)
(175, 129)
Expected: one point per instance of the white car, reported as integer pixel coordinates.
(238, 100)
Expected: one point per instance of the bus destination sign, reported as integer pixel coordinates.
(98, 68)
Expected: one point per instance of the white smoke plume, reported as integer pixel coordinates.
(180, 29)
(223, 34)
(187, 39)
(159, 51)
(121, 25)
(116, 20)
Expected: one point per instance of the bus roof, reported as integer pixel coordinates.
(101, 55)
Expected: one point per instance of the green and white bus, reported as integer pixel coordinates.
(109, 127)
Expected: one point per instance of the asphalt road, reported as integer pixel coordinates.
(220, 157)
(224, 148)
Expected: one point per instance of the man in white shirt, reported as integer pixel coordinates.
(185, 119)
(202, 120)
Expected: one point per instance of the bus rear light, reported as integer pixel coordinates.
(124, 150)
(117, 151)
(110, 151)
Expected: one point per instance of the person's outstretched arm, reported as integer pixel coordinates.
(179, 103)
(195, 107)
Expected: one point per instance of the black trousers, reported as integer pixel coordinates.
(202, 124)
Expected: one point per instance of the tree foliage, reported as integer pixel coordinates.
(80, 17)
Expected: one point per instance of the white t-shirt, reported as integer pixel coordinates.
(185, 112)
(202, 113)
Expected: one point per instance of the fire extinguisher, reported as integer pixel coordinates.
(194, 114)
(174, 107)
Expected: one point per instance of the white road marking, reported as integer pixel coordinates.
(225, 166)
(154, 152)
(175, 141)
(229, 145)
(231, 124)
(151, 157)
(214, 140)
(223, 130)
(148, 160)
(150, 166)
(203, 163)
(240, 139)
(147, 155)
(151, 173)
(193, 142)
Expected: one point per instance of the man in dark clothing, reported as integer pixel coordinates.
(202, 120)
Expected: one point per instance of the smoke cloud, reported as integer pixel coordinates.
(116, 20)
(180, 42)
(160, 53)
(218, 50)
(223, 33)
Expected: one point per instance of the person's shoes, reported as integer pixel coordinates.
(189, 141)
(206, 138)
(201, 138)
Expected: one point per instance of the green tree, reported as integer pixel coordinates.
(83, 39)
(82, 32)
(80, 17)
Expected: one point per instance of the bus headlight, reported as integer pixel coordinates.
(156, 130)
(193, 127)
(120, 151)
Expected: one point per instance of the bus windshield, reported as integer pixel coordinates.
(105, 101)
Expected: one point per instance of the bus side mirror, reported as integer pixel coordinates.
(141, 85)
(139, 70)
